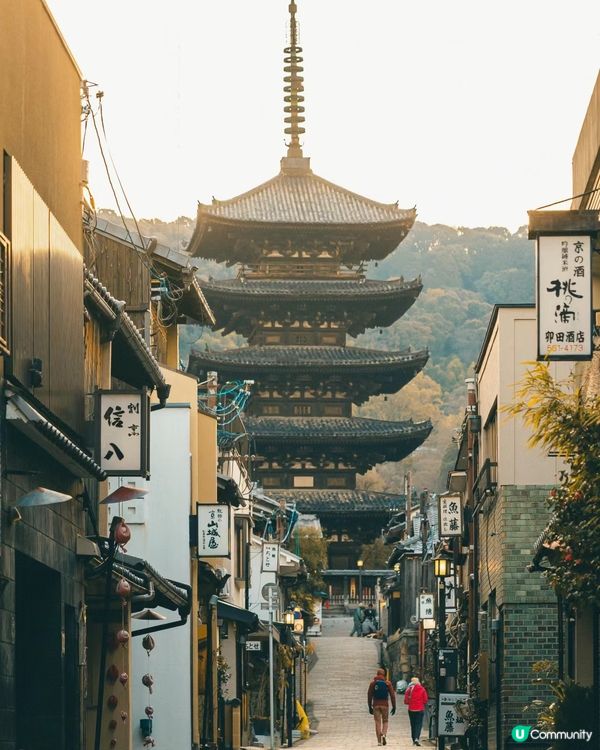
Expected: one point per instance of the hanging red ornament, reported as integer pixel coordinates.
(123, 588)
(148, 681)
(112, 702)
(124, 716)
(122, 533)
(112, 673)
(122, 637)
(112, 725)
(149, 711)
(148, 643)
(123, 677)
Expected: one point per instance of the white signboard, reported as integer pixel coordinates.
(213, 530)
(564, 297)
(450, 599)
(426, 606)
(450, 723)
(270, 557)
(450, 515)
(253, 645)
(123, 432)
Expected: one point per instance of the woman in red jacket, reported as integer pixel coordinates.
(416, 699)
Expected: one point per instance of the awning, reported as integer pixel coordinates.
(228, 492)
(248, 620)
(47, 431)
(132, 360)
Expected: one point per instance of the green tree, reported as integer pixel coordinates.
(563, 419)
(375, 555)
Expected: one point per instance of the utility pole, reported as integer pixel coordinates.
(271, 675)
(441, 681)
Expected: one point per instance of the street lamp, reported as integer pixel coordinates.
(443, 567)
(288, 621)
(288, 618)
(360, 564)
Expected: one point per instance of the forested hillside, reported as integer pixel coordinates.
(464, 271)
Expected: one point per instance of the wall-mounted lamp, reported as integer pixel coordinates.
(443, 566)
(288, 618)
(124, 494)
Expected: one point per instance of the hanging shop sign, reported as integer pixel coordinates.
(123, 437)
(450, 722)
(450, 512)
(426, 606)
(213, 530)
(270, 557)
(253, 646)
(564, 297)
(450, 594)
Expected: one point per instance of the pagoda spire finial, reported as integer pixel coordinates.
(294, 86)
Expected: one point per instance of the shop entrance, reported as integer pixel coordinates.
(38, 664)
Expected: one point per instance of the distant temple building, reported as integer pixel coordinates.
(300, 244)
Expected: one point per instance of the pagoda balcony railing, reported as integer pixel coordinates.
(298, 271)
(486, 482)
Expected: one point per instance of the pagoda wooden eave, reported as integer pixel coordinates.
(361, 373)
(238, 305)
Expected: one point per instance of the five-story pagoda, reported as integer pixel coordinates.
(300, 244)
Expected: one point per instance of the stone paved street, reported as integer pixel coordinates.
(338, 689)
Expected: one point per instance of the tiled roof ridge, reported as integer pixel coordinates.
(339, 428)
(344, 286)
(355, 355)
(280, 176)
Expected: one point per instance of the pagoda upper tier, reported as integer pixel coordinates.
(355, 443)
(296, 213)
(243, 305)
(312, 372)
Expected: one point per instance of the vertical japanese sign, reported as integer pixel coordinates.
(450, 722)
(450, 509)
(123, 434)
(270, 557)
(564, 297)
(213, 530)
(450, 594)
(426, 606)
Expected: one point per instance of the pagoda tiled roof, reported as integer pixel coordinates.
(306, 198)
(332, 502)
(339, 429)
(317, 357)
(310, 288)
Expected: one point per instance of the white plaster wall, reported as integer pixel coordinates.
(512, 345)
(160, 534)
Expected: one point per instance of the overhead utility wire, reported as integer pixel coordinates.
(564, 200)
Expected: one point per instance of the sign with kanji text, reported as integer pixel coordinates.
(450, 723)
(564, 297)
(253, 645)
(123, 434)
(450, 509)
(213, 530)
(450, 594)
(270, 557)
(426, 606)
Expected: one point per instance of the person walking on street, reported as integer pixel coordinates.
(378, 695)
(416, 699)
(357, 618)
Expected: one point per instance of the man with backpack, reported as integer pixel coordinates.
(380, 691)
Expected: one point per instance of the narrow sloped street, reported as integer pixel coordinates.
(338, 691)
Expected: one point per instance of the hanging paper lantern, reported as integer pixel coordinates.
(123, 677)
(148, 681)
(124, 716)
(122, 533)
(149, 711)
(123, 588)
(112, 702)
(148, 643)
(112, 673)
(122, 637)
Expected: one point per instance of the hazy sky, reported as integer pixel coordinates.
(469, 109)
